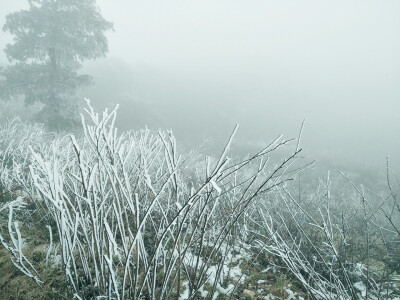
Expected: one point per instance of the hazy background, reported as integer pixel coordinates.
(200, 67)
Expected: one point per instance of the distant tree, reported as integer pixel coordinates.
(51, 39)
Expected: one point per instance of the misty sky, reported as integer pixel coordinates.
(267, 65)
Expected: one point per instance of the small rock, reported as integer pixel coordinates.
(248, 294)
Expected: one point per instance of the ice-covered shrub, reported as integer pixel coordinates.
(129, 217)
(16, 108)
(16, 139)
(335, 251)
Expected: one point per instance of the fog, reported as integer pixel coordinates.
(200, 67)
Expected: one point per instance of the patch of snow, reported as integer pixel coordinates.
(261, 281)
(185, 294)
(361, 287)
(270, 268)
(359, 269)
(223, 291)
(235, 273)
(203, 292)
(292, 295)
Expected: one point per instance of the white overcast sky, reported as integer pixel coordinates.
(232, 32)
